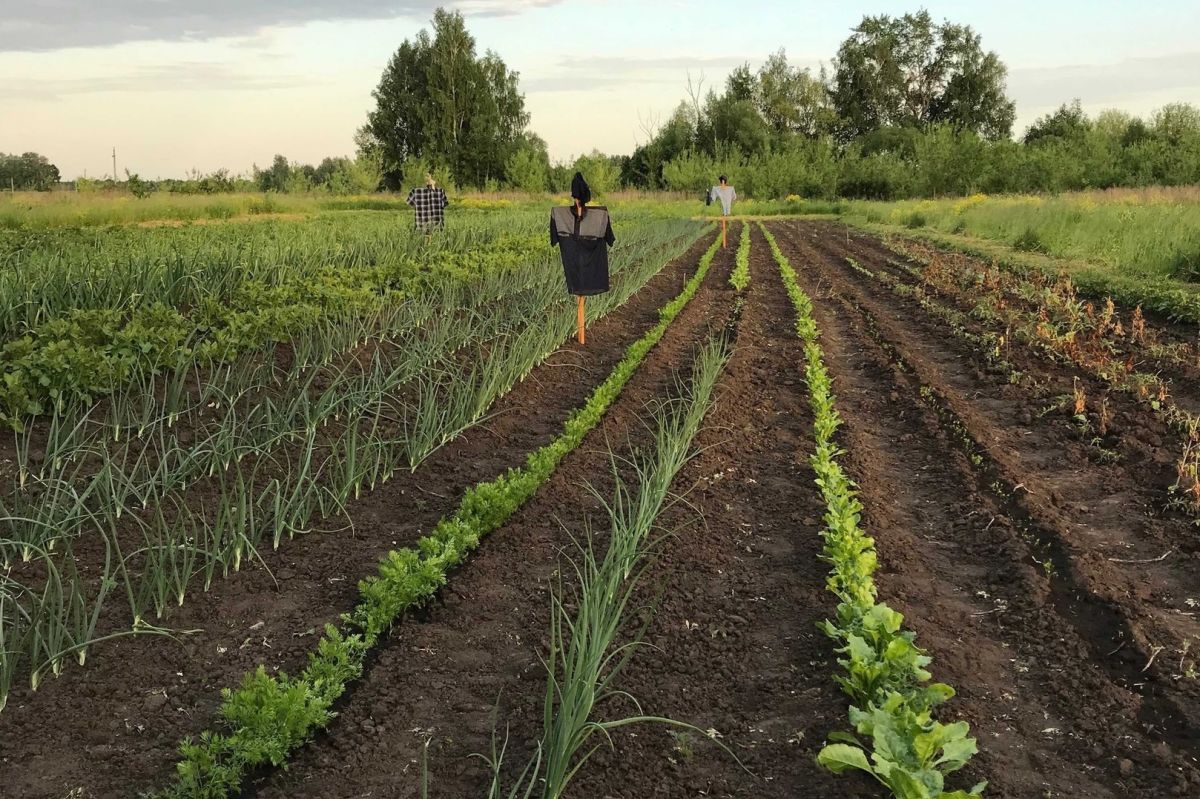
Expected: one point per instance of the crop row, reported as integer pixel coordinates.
(591, 646)
(1051, 318)
(83, 352)
(739, 278)
(266, 718)
(155, 439)
(45, 275)
(884, 672)
(350, 437)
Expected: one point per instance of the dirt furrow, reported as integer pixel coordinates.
(960, 561)
(112, 728)
(734, 645)
(441, 679)
(1104, 521)
(1107, 512)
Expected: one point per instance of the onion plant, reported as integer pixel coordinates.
(586, 656)
(133, 470)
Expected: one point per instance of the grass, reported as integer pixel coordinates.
(1139, 247)
(43, 210)
(1144, 234)
(34, 211)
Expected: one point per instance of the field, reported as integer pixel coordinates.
(310, 506)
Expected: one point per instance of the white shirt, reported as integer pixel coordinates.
(726, 195)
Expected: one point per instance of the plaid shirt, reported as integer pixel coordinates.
(430, 206)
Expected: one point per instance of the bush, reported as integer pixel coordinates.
(1030, 241)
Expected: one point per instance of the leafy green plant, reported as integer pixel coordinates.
(911, 753)
(739, 278)
(883, 669)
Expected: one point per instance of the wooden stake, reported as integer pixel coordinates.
(580, 335)
(724, 240)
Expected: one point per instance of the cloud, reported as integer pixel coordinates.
(1099, 84)
(56, 24)
(175, 78)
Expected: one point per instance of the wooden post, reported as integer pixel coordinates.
(579, 320)
(724, 239)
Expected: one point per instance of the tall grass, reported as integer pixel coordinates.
(1146, 234)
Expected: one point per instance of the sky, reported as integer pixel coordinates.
(176, 85)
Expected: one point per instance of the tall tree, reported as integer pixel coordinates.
(909, 71)
(439, 102)
(528, 168)
(791, 100)
(674, 138)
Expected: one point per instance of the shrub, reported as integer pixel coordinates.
(1030, 241)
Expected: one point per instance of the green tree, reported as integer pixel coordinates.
(600, 171)
(736, 122)
(528, 168)
(439, 102)
(791, 100)
(1068, 123)
(644, 168)
(28, 171)
(137, 187)
(275, 177)
(1176, 123)
(909, 71)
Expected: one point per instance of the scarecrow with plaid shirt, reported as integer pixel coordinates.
(429, 202)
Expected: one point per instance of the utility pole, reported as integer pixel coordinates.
(114, 164)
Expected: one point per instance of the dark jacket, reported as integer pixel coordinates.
(583, 244)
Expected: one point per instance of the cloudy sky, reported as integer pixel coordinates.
(177, 85)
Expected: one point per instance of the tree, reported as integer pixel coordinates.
(1068, 123)
(645, 167)
(736, 122)
(28, 171)
(791, 100)
(600, 171)
(528, 169)
(355, 176)
(909, 71)
(1175, 123)
(741, 84)
(275, 177)
(137, 187)
(440, 103)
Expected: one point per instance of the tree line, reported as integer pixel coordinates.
(907, 107)
(27, 172)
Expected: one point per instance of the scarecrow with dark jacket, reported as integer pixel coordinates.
(583, 234)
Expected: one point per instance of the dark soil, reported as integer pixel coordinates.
(969, 491)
